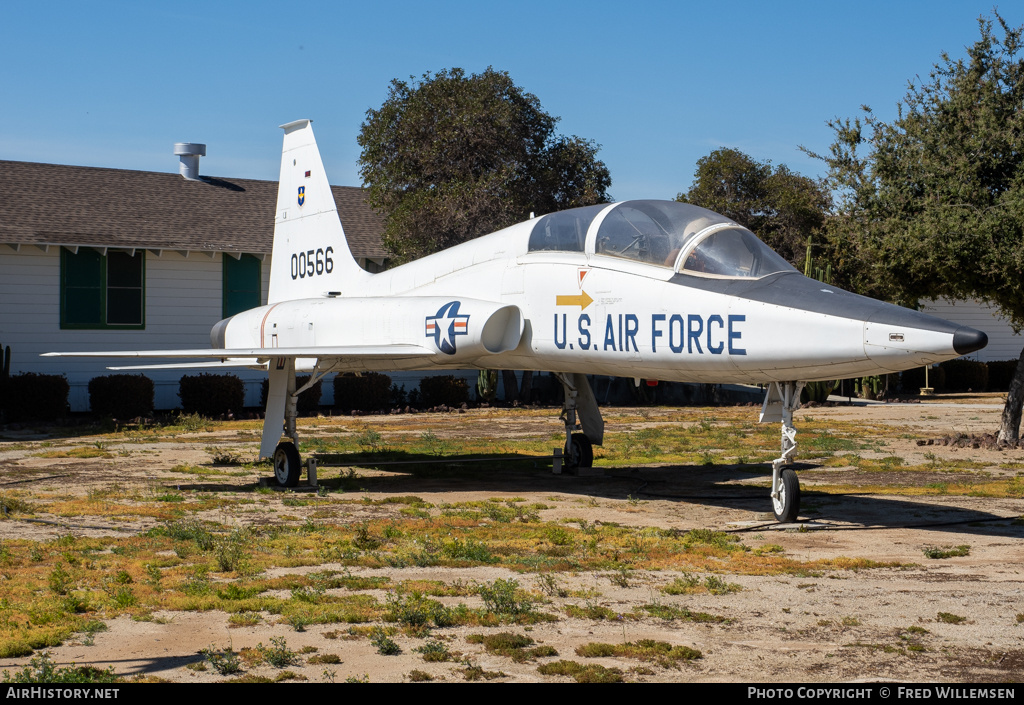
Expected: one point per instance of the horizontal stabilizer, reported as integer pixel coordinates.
(251, 363)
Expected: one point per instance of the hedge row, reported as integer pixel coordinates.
(211, 395)
(121, 396)
(369, 392)
(34, 397)
(445, 390)
(309, 400)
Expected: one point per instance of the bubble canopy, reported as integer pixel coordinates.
(678, 236)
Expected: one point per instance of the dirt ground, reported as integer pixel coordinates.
(883, 623)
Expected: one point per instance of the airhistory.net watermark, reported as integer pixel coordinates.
(34, 692)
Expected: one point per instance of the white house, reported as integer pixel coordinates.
(109, 259)
(1003, 343)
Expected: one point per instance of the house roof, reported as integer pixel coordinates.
(54, 204)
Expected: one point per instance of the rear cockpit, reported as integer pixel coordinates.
(680, 237)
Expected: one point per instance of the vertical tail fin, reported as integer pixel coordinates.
(311, 255)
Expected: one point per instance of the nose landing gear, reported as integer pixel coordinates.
(579, 398)
(781, 400)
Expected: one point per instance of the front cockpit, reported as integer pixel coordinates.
(678, 236)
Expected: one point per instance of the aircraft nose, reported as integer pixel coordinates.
(967, 340)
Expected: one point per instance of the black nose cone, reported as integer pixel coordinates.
(967, 340)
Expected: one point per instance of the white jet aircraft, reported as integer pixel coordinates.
(642, 289)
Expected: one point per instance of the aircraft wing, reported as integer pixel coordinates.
(253, 356)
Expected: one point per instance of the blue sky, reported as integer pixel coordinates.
(657, 84)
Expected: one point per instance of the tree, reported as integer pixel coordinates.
(782, 207)
(449, 157)
(935, 198)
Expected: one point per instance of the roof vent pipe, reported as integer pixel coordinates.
(189, 153)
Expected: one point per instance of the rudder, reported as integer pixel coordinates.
(311, 256)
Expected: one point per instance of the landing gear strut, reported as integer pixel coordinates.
(579, 444)
(282, 410)
(782, 399)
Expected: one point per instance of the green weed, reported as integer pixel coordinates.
(225, 661)
(503, 597)
(277, 654)
(591, 673)
(946, 551)
(41, 669)
(386, 646)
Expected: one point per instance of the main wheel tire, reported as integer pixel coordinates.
(787, 505)
(287, 464)
(579, 452)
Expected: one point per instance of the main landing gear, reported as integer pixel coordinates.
(282, 410)
(580, 401)
(782, 399)
(287, 464)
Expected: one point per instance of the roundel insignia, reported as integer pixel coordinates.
(302, 195)
(446, 325)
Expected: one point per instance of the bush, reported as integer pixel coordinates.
(447, 390)
(1000, 374)
(912, 380)
(121, 396)
(33, 397)
(42, 669)
(309, 400)
(371, 392)
(963, 375)
(211, 395)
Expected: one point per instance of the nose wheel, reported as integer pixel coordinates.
(287, 464)
(786, 497)
(579, 452)
(780, 401)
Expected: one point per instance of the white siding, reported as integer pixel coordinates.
(183, 301)
(1003, 343)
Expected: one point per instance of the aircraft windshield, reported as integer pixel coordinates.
(734, 252)
(565, 231)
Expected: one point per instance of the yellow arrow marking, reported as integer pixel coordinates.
(582, 300)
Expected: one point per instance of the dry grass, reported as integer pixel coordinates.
(55, 590)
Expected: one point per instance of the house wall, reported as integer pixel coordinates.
(1003, 343)
(183, 301)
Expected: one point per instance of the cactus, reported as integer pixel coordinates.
(814, 271)
(487, 385)
(5, 372)
(870, 387)
(817, 391)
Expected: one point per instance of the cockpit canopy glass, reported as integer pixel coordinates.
(565, 231)
(656, 232)
(733, 252)
(652, 231)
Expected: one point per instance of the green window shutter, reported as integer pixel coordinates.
(242, 284)
(81, 288)
(102, 291)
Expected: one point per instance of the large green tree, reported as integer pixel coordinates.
(934, 199)
(782, 207)
(449, 157)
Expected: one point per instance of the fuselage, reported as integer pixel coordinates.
(688, 296)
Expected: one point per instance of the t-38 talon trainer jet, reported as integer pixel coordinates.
(643, 289)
